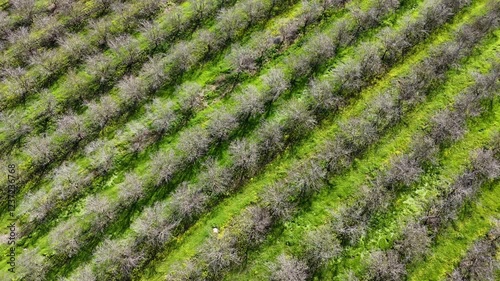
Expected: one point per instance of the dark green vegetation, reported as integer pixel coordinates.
(252, 139)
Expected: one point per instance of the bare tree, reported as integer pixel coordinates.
(288, 268)
(254, 223)
(19, 82)
(485, 163)
(132, 89)
(24, 8)
(244, 155)
(126, 48)
(75, 45)
(188, 202)
(154, 73)
(101, 67)
(299, 119)
(40, 149)
(65, 238)
(278, 199)
(68, 180)
(194, 142)
(231, 22)
(184, 55)
(36, 205)
(479, 264)
(131, 189)
(242, 59)
(153, 33)
(404, 171)
(325, 101)
(215, 179)
(386, 266)
(191, 97)
(307, 178)
(116, 258)
(222, 123)
(276, 83)
(163, 166)
(270, 136)
(190, 270)
(447, 126)
(321, 246)
(154, 226)
(220, 254)
(84, 273)
(414, 244)
(250, 103)
(32, 266)
(47, 59)
(162, 115)
(13, 126)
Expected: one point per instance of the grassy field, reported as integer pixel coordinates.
(250, 140)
